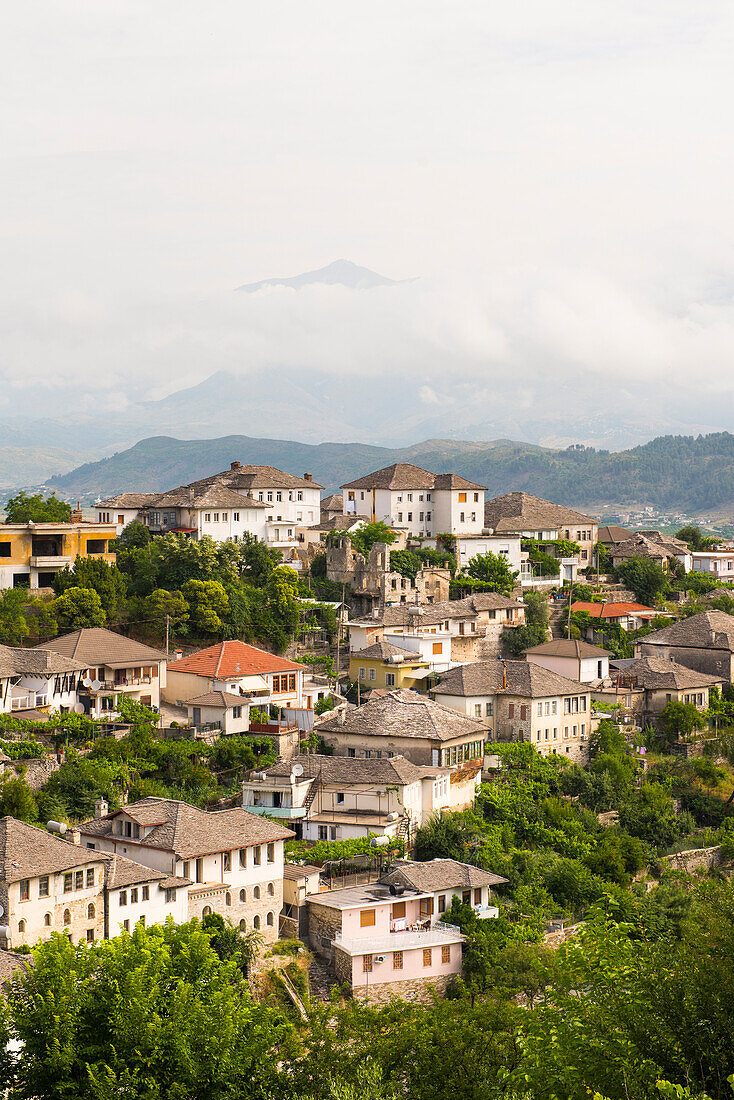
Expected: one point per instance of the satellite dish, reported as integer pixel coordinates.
(96, 685)
(298, 769)
(78, 708)
(87, 681)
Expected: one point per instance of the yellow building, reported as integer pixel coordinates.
(384, 665)
(32, 553)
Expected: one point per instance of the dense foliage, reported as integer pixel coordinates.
(25, 508)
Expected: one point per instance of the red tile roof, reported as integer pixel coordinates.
(612, 610)
(233, 658)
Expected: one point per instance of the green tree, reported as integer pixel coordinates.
(681, 719)
(78, 608)
(155, 1015)
(41, 620)
(405, 562)
(134, 535)
(366, 536)
(13, 623)
(259, 560)
(162, 605)
(534, 630)
(37, 509)
(646, 578)
(695, 538)
(208, 604)
(16, 799)
(282, 594)
(494, 571)
(104, 579)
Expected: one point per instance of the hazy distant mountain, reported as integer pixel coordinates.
(676, 473)
(338, 273)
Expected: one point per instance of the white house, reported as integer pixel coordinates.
(502, 546)
(259, 677)
(419, 502)
(32, 679)
(221, 709)
(572, 658)
(233, 858)
(715, 563)
(123, 508)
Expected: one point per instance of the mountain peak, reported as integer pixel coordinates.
(339, 273)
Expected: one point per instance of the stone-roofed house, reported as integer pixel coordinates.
(532, 517)
(645, 685)
(472, 626)
(340, 797)
(521, 701)
(447, 879)
(612, 534)
(232, 666)
(418, 502)
(572, 658)
(652, 545)
(704, 642)
(37, 680)
(404, 723)
(221, 710)
(234, 858)
(385, 665)
(123, 508)
(113, 665)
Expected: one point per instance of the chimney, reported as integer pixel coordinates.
(235, 465)
(101, 809)
(308, 477)
(191, 494)
(76, 515)
(177, 654)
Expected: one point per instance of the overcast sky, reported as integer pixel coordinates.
(559, 176)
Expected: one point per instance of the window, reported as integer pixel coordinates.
(47, 920)
(228, 898)
(477, 710)
(540, 710)
(21, 926)
(478, 896)
(134, 897)
(428, 516)
(4, 549)
(420, 516)
(410, 517)
(243, 895)
(25, 889)
(236, 712)
(243, 857)
(271, 853)
(90, 876)
(207, 517)
(90, 912)
(236, 517)
(243, 925)
(170, 895)
(372, 674)
(67, 916)
(256, 855)
(398, 910)
(340, 797)
(397, 960)
(123, 897)
(227, 861)
(43, 886)
(461, 517)
(68, 882)
(462, 498)
(511, 710)
(270, 920)
(489, 709)
(427, 956)
(146, 893)
(126, 925)
(256, 893)
(446, 953)
(438, 647)
(351, 752)
(367, 918)
(78, 880)
(271, 889)
(442, 903)
(216, 517)
(323, 832)
(362, 673)
(256, 922)
(224, 517)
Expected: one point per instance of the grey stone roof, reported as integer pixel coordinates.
(26, 852)
(383, 651)
(611, 534)
(128, 500)
(332, 502)
(198, 495)
(707, 630)
(404, 475)
(440, 874)
(649, 544)
(659, 674)
(429, 614)
(346, 769)
(516, 512)
(266, 477)
(406, 714)
(223, 699)
(10, 962)
(525, 679)
(294, 871)
(568, 647)
(188, 831)
(35, 662)
(97, 646)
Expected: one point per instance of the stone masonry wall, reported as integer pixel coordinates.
(240, 910)
(412, 989)
(323, 924)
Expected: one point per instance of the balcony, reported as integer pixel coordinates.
(50, 561)
(436, 936)
(31, 701)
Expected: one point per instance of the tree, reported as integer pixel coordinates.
(41, 620)
(13, 623)
(134, 535)
(208, 603)
(102, 577)
(16, 799)
(534, 630)
(495, 571)
(154, 1014)
(646, 578)
(79, 608)
(681, 720)
(259, 560)
(162, 605)
(37, 509)
(695, 538)
(282, 594)
(366, 536)
(230, 943)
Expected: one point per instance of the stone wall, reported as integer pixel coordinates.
(695, 859)
(323, 924)
(417, 990)
(215, 898)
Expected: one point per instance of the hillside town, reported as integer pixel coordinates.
(260, 705)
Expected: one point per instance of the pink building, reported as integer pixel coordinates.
(388, 940)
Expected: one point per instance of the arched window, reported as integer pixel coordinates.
(243, 925)
(47, 920)
(90, 912)
(206, 911)
(21, 926)
(228, 898)
(243, 895)
(67, 916)
(255, 922)
(270, 919)
(271, 889)
(256, 893)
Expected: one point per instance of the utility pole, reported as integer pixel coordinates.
(168, 619)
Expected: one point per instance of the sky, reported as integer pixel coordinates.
(555, 180)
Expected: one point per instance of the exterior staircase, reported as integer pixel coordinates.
(312, 792)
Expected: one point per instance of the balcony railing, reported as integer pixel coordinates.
(28, 702)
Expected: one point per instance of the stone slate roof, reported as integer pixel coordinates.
(568, 647)
(188, 831)
(266, 477)
(406, 714)
(10, 962)
(205, 495)
(525, 679)
(404, 475)
(128, 500)
(27, 852)
(707, 630)
(428, 614)
(332, 502)
(95, 645)
(439, 874)
(121, 871)
(611, 534)
(34, 662)
(649, 544)
(660, 674)
(383, 651)
(340, 522)
(223, 699)
(347, 770)
(299, 870)
(516, 512)
(232, 658)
